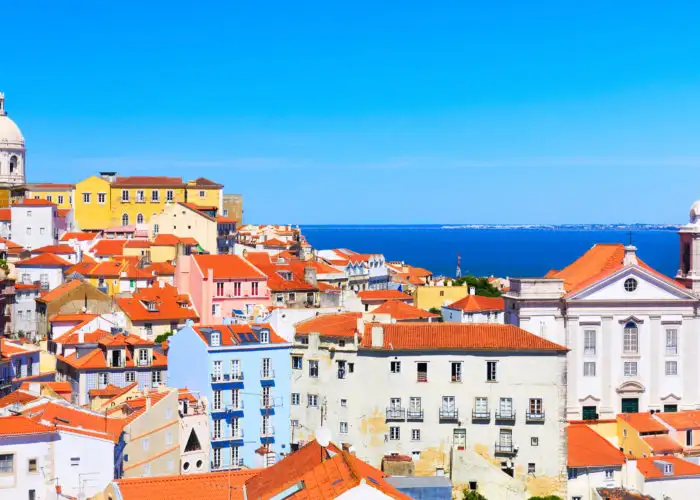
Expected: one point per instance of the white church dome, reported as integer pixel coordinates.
(10, 134)
(695, 212)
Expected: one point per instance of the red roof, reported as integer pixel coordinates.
(227, 267)
(377, 295)
(22, 426)
(137, 244)
(166, 240)
(78, 420)
(148, 181)
(399, 310)
(469, 336)
(71, 318)
(168, 305)
(587, 448)
(55, 249)
(478, 303)
(212, 486)
(19, 396)
(203, 182)
(57, 292)
(5, 214)
(33, 202)
(643, 422)
(44, 259)
(653, 467)
(662, 443)
(104, 248)
(330, 325)
(27, 286)
(48, 185)
(238, 334)
(79, 235)
(682, 420)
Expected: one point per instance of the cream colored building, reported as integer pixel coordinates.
(428, 297)
(184, 220)
(439, 395)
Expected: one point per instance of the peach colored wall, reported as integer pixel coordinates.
(679, 436)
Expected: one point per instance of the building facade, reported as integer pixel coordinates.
(247, 382)
(12, 150)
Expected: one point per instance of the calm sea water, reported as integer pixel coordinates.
(498, 252)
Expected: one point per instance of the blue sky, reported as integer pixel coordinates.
(370, 112)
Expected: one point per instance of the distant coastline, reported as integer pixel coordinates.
(536, 227)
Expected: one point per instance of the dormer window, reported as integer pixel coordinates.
(215, 339)
(264, 337)
(151, 306)
(668, 469)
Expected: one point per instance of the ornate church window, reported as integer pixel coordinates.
(631, 339)
(13, 164)
(125, 220)
(630, 284)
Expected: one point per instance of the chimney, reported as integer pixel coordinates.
(472, 290)
(377, 336)
(310, 275)
(81, 336)
(630, 256)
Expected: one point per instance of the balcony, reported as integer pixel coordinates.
(268, 374)
(266, 403)
(395, 413)
(482, 415)
(226, 378)
(414, 414)
(504, 449)
(228, 408)
(449, 414)
(505, 416)
(237, 377)
(534, 416)
(267, 432)
(236, 435)
(143, 362)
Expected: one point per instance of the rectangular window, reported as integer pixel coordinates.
(202, 194)
(155, 378)
(343, 403)
(343, 427)
(422, 372)
(235, 369)
(74, 461)
(60, 199)
(254, 288)
(297, 363)
(130, 377)
(217, 428)
(505, 439)
(671, 367)
(169, 195)
(630, 341)
(32, 465)
(32, 494)
(535, 406)
(534, 441)
(49, 197)
(505, 408)
(395, 367)
(296, 399)
(101, 198)
(341, 368)
(312, 400)
(456, 370)
(670, 408)
(481, 405)
(491, 371)
(86, 198)
(155, 195)
(266, 368)
(671, 341)
(415, 434)
(219, 289)
(217, 400)
(589, 339)
(531, 468)
(589, 369)
(394, 433)
(313, 368)
(236, 399)
(125, 195)
(630, 368)
(140, 196)
(689, 437)
(237, 288)
(609, 473)
(103, 379)
(266, 397)
(217, 458)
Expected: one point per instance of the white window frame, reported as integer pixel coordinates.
(343, 427)
(630, 368)
(630, 338)
(492, 371)
(671, 368)
(394, 433)
(86, 198)
(589, 342)
(671, 341)
(589, 368)
(415, 434)
(296, 399)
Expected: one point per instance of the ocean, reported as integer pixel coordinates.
(498, 252)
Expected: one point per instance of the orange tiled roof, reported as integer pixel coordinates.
(168, 305)
(27, 286)
(478, 303)
(137, 244)
(73, 338)
(48, 185)
(57, 292)
(227, 267)
(212, 486)
(203, 182)
(22, 426)
(399, 310)
(148, 181)
(5, 214)
(63, 212)
(587, 448)
(19, 396)
(650, 470)
(330, 325)
(188, 240)
(80, 317)
(44, 259)
(643, 422)
(662, 443)
(105, 248)
(55, 249)
(124, 340)
(166, 240)
(372, 295)
(162, 268)
(58, 387)
(682, 420)
(471, 336)
(225, 220)
(32, 202)
(79, 235)
(96, 360)
(236, 334)
(67, 417)
(108, 391)
(10, 349)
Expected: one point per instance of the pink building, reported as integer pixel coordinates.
(220, 284)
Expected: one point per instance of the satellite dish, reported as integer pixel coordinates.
(323, 436)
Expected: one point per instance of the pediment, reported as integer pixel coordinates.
(648, 287)
(590, 399)
(670, 397)
(630, 386)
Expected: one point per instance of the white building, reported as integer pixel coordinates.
(34, 223)
(362, 271)
(489, 396)
(631, 331)
(12, 151)
(194, 433)
(474, 309)
(593, 462)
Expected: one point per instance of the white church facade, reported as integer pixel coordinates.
(632, 332)
(12, 150)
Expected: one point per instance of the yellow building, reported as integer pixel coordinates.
(110, 201)
(60, 194)
(427, 297)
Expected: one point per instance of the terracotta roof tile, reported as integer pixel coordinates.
(205, 183)
(77, 317)
(148, 181)
(22, 426)
(71, 418)
(5, 214)
(377, 295)
(168, 305)
(643, 422)
(44, 259)
(587, 448)
(227, 266)
(105, 248)
(330, 325)
(166, 240)
(399, 310)
(470, 336)
(212, 486)
(478, 303)
(79, 235)
(33, 202)
(19, 396)
(682, 420)
(652, 467)
(27, 286)
(137, 244)
(662, 443)
(55, 249)
(48, 185)
(57, 292)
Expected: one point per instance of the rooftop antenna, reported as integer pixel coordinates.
(630, 238)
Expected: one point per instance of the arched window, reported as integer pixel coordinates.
(13, 164)
(125, 220)
(156, 227)
(139, 219)
(631, 338)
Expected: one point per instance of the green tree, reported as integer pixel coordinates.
(163, 337)
(482, 285)
(548, 497)
(472, 495)
(436, 310)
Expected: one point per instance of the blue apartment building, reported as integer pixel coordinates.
(244, 371)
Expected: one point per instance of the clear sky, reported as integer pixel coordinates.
(370, 112)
